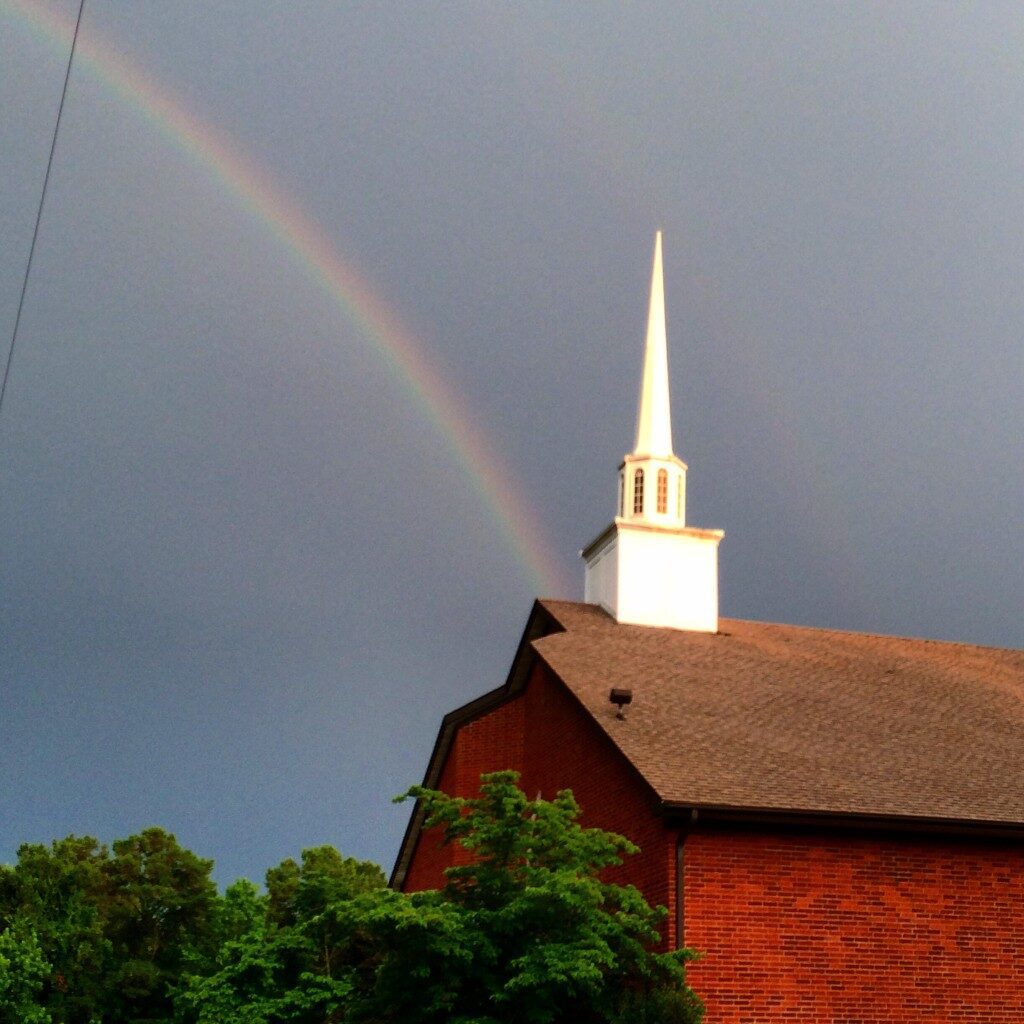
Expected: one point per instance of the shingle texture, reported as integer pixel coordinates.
(775, 717)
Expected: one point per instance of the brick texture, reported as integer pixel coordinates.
(793, 927)
(555, 745)
(491, 743)
(855, 931)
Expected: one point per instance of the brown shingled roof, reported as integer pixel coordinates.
(774, 717)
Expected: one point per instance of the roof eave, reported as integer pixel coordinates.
(847, 821)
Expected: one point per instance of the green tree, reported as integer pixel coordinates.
(264, 977)
(299, 892)
(300, 896)
(60, 893)
(161, 914)
(285, 967)
(527, 931)
(239, 911)
(23, 975)
(115, 930)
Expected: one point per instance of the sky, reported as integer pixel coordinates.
(331, 350)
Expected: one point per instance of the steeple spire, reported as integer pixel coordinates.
(654, 416)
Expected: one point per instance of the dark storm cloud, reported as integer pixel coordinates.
(243, 578)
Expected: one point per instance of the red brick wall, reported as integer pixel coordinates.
(793, 927)
(491, 743)
(565, 749)
(818, 929)
(555, 745)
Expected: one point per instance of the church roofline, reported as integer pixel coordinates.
(554, 626)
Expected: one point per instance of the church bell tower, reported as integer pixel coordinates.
(648, 567)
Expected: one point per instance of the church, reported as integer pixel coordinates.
(835, 820)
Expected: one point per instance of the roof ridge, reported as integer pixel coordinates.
(874, 635)
(553, 605)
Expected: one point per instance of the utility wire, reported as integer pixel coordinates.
(42, 199)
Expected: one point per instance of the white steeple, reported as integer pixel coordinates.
(653, 415)
(648, 567)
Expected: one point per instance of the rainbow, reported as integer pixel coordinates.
(310, 247)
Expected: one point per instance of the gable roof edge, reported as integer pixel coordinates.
(541, 622)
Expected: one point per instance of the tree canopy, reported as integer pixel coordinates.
(527, 930)
(115, 928)
(524, 931)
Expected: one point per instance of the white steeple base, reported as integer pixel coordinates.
(651, 575)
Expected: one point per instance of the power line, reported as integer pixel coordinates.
(42, 199)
